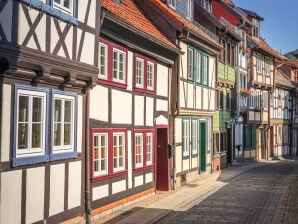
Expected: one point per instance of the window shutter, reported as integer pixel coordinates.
(253, 137)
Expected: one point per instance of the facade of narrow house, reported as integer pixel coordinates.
(261, 75)
(48, 61)
(129, 108)
(294, 122)
(281, 117)
(192, 92)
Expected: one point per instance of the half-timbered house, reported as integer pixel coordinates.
(48, 61)
(129, 108)
(192, 92)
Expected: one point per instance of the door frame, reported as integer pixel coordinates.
(203, 167)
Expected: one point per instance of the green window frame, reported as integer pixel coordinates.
(197, 66)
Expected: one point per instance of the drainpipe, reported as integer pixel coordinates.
(87, 161)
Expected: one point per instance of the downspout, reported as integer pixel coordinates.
(87, 161)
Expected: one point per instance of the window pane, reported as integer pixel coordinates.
(37, 109)
(36, 135)
(57, 134)
(23, 108)
(58, 109)
(67, 134)
(22, 136)
(66, 4)
(67, 111)
(115, 68)
(150, 75)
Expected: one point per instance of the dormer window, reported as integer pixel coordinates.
(206, 4)
(256, 28)
(172, 4)
(189, 10)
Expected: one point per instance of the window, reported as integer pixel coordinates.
(149, 149)
(251, 99)
(63, 135)
(216, 145)
(267, 66)
(118, 152)
(189, 9)
(143, 149)
(118, 66)
(286, 134)
(265, 100)
(100, 154)
(222, 141)
(279, 135)
(228, 101)
(139, 73)
(62, 9)
(206, 4)
(197, 66)
(257, 98)
(103, 61)
(108, 152)
(205, 71)
(172, 3)
(243, 82)
(259, 63)
(185, 137)
(194, 136)
(112, 64)
(150, 76)
(190, 64)
(31, 122)
(139, 149)
(221, 100)
(256, 27)
(144, 74)
(64, 5)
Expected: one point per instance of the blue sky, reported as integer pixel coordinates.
(280, 25)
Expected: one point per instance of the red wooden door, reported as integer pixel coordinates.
(162, 160)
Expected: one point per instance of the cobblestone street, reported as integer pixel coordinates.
(266, 194)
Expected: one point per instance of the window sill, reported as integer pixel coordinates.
(60, 156)
(108, 176)
(29, 160)
(141, 90)
(140, 169)
(52, 11)
(111, 83)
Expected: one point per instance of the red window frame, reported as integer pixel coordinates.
(111, 173)
(109, 81)
(146, 60)
(144, 132)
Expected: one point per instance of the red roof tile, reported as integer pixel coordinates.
(182, 21)
(229, 2)
(264, 46)
(129, 12)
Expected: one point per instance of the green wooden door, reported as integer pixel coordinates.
(203, 146)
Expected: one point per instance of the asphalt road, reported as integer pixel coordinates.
(266, 194)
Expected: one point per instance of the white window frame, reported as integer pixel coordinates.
(141, 145)
(149, 149)
(194, 136)
(100, 160)
(252, 99)
(118, 158)
(29, 152)
(118, 63)
(185, 137)
(257, 98)
(150, 75)
(267, 66)
(198, 66)
(190, 64)
(172, 4)
(63, 8)
(105, 64)
(189, 10)
(140, 73)
(205, 70)
(256, 28)
(259, 63)
(265, 100)
(70, 147)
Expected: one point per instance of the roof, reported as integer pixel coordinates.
(128, 11)
(229, 2)
(252, 14)
(182, 21)
(283, 79)
(262, 44)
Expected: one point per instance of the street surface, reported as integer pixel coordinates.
(266, 194)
